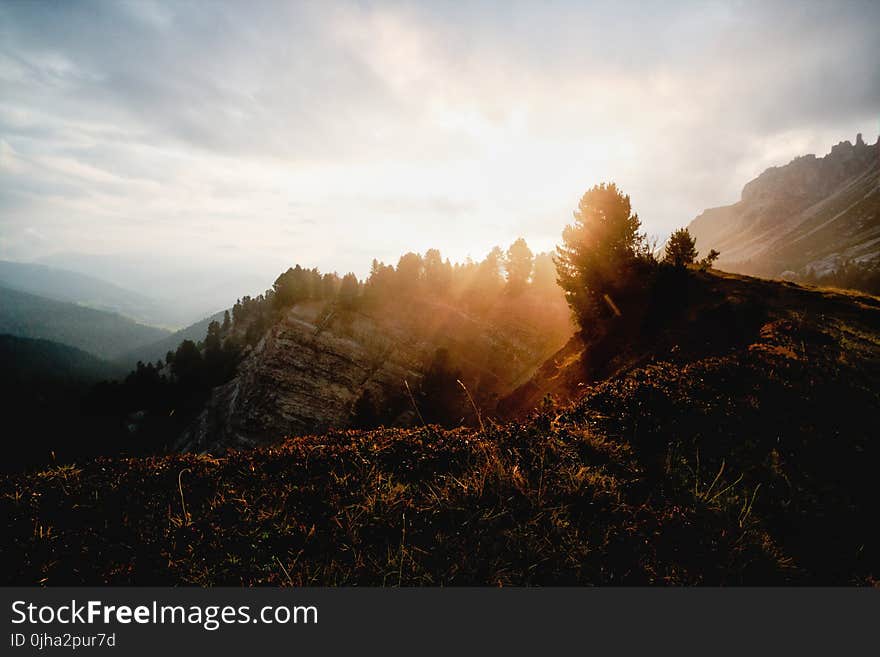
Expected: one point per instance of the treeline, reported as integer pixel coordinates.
(604, 257)
(852, 275)
(155, 402)
(605, 264)
(144, 412)
(476, 284)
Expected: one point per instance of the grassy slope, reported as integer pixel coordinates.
(150, 353)
(80, 289)
(103, 334)
(26, 360)
(44, 386)
(747, 457)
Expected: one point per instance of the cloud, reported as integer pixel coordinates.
(317, 132)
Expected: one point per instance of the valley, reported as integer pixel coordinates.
(744, 458)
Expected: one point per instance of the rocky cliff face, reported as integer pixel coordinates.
(300, 378)
(811, 214)
(309, 370)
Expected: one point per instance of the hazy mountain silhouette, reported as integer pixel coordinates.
(150, 353)
(100, 333)
(29, 361)
(83, 290)
(186, 290)
(732, 443)
(809, 216)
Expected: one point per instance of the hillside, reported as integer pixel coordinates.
(734, 444)
(28, 360)
(683, 319)
(45, 386)
(157, 350)
(808, 216)
(100, 333)
(309, 371)
(186, 289)
(82, 290)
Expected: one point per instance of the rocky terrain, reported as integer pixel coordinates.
(741, 458)
(810, 215)
(309, 370)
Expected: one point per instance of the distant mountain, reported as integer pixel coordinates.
(725, 434)
(810, 215)
(85, 290)
(102, 334)
(188, 289)
(29, 360)
(154, 351)
(45, 387)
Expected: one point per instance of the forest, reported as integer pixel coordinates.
(144, 411)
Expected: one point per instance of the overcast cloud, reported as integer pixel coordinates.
(260, 134)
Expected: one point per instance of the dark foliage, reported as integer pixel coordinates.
(440, 395)
(681, 249)
(102, 334)
(732, 444)
(520, 505)
(849, 275)
(603, 255)
(519, 264)
(365, 415)
(45, 388)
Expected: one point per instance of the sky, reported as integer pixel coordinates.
(249, 136)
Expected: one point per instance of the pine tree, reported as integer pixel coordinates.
(349, 290)
(600, 253)
(544, 273)
(681, 248)
(519, 263)
(438, 274)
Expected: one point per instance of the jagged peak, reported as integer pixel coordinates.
(840, 147)
(843, 151)
(847, 146)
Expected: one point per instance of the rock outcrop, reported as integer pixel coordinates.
(811, 214)
(307, 373)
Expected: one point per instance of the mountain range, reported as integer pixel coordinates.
(103, 334)
(715, 428)
(82, 311)
(808, 217)
(157, 350)
(185, 290)
(82, 290)
(732, 443)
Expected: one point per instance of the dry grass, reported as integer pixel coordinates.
(519, 505)
(750, 465)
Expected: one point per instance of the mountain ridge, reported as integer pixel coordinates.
(746, 461)
(807, 217)
(84, 290)
(26, 360)
(157, 350)
(309, 371)
(103, 334)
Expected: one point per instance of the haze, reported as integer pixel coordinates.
(228, 141)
